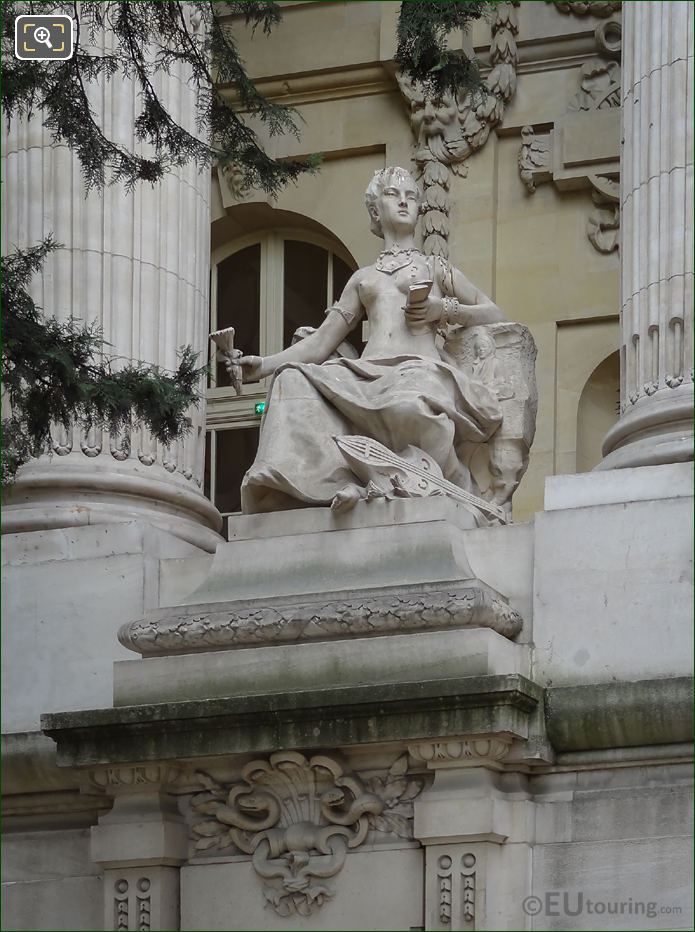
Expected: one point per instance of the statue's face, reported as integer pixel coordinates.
(483, 348)
(399, 204)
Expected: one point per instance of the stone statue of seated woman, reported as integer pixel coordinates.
(404, 400)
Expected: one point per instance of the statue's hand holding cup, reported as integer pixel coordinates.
(421, 310)
(251, 368)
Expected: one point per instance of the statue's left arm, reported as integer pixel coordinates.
(467, 305)
(461, 303)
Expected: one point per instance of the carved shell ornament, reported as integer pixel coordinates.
(298, 817)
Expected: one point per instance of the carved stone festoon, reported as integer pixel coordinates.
(448, 130)
(298, 817)
(582, 149)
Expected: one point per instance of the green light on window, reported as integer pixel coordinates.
(259, 407)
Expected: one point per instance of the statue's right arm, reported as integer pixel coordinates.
(341, 318)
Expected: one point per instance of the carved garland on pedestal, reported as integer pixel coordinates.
(298, 817)
(448, 130)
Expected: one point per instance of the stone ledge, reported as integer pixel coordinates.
(353, 715)
(620, 715)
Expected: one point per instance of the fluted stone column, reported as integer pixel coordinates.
(656, 392)
(138, 264)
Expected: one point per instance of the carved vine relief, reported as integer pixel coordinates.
(298, 817)
(448, 129)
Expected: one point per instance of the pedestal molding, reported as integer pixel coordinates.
(326, 617)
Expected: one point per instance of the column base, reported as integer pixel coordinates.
(48, 495)
(657, 429)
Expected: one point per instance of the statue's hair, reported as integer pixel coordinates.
(375, 188)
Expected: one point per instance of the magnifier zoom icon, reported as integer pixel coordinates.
(43, 35)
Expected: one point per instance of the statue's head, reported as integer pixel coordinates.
(392, 196)
(483, 345)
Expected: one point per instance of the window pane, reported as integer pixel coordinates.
(341, 276)
(239, 301)
(306, 282)
(208, 459)
(236, 450)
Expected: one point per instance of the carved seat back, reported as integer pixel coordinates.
(510, 372)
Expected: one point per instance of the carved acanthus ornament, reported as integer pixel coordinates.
(582, 149)
(448, 129)
(298, 817)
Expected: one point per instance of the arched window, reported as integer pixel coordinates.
(265, 286)
(598, 411)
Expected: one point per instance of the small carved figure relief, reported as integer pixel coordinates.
(298, 817)
(599, 86)
(403, 392)
(534, 159)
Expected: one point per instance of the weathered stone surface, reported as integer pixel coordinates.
(617, 715)
(325, 718)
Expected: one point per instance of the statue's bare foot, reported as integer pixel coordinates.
(347, 498)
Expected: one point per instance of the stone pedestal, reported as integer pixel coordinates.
(137, 264)
(656, 393)
(313, 600)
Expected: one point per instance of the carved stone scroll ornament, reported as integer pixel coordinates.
(298, 817)
(562, 155)
(448, 129)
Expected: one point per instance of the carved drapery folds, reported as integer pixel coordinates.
(582, 149)
(448, 129)
(298, 817)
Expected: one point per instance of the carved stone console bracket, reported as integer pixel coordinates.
(582, 149)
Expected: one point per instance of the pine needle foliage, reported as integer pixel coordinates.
(146, 38)
(422, 51)
(52, 373)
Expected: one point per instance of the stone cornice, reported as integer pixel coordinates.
(405, 712)
(620, 715)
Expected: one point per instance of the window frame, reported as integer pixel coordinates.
(224, 409)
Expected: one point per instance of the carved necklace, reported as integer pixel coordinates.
(391, 260)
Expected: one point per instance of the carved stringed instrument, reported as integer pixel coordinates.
(409, 478)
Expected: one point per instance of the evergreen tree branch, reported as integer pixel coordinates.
(51, 375)
(422, 52)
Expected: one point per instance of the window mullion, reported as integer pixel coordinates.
(273, 301)
(213, 466)
(329, 281)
